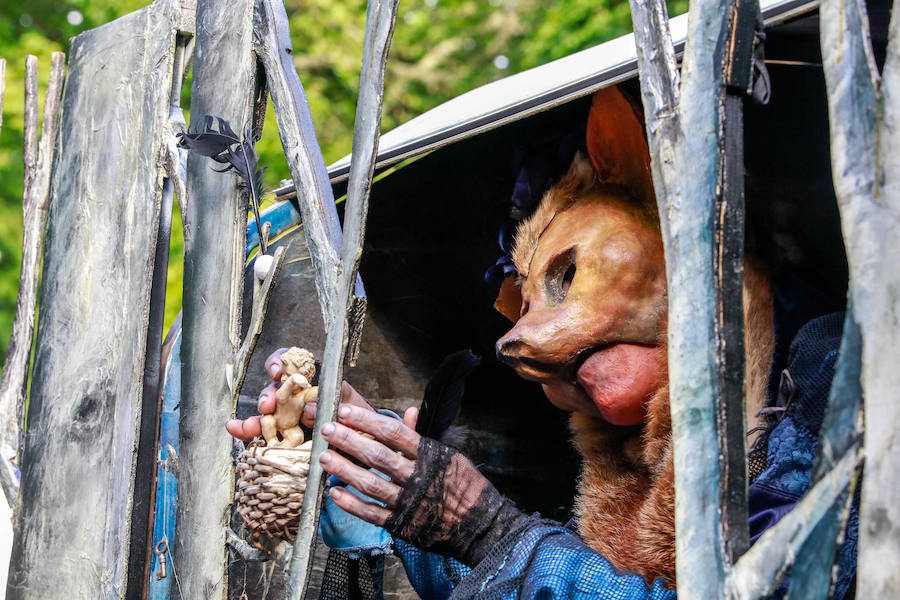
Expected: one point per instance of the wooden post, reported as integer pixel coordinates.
(865, 141)
(72, 533)
(224, 85)
(301, 149)
(683, 127)
(36, 190)
(380, 20)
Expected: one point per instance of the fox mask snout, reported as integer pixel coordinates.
(592, 322)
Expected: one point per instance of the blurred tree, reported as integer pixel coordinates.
(441, 48)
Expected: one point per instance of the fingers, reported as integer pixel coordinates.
(273, 364)
(389, 431)
(365, 481)
(244, 430)
(411, 417)
(368, 452)
(367, 511)
(267, 402)
(348, 396)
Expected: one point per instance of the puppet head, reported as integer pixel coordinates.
(592, 320)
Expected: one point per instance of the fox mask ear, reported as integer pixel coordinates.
(509, 299)
(617, 145)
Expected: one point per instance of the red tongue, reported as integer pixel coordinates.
(620, 379)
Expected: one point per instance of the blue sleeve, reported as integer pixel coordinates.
(433, 576)
(543, 562)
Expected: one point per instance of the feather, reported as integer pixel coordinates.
(224, 146)
(442, 402)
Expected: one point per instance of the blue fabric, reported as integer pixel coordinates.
(349, 534)
(432, 576)
(550, 562)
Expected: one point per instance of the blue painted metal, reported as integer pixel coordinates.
(166, 482)
(281, 215)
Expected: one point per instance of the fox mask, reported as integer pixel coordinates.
(591, 323)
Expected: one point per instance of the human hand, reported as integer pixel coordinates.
(249, 428)
(436, 499)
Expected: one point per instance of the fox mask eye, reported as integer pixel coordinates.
(559, 276)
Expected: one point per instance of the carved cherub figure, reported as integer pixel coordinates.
(298, 368)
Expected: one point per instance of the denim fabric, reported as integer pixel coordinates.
(349, 534)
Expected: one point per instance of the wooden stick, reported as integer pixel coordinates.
(812, 574)
(236, 370)
(683, 128)
(301, 149)
(865, 140)
(38, 160)
(380, 20)
(763, 566)
(224, 84)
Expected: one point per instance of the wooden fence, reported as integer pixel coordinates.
(82, 508)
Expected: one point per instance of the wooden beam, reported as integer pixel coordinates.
(36, 191)
(813, 573)
(315, 197)
(865, 141)
(683, 128)
(72, 533)
(224, 85)
(761, 568)
(380, 20)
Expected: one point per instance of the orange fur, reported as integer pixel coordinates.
(626, 493)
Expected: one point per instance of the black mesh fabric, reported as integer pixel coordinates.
(350, 579)
(448, 507)
(811, 363)
(802, 387)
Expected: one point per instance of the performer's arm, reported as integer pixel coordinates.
(438, 501)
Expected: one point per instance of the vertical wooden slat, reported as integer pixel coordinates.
(865, 141)
(301, 148)
(380, 20)
(224, 85)
(72, 527)
(35, 197)
(686, 169)
(762, 567)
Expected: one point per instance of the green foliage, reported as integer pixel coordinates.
(441, 48)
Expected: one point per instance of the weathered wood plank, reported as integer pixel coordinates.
(380, 20)
(224, 85)
(35, 197)
(301, 149)
(762, 567)
(686, 170)
(865, 140)
(72, 527)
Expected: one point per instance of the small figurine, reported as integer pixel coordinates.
(298, 368)
(272, 475)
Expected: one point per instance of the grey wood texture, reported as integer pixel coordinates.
(762, 567)
(380, 20)
(72, 527)
(683, 127)
(36, 190)
(865, 140)
(301, 149)
(223, 85)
